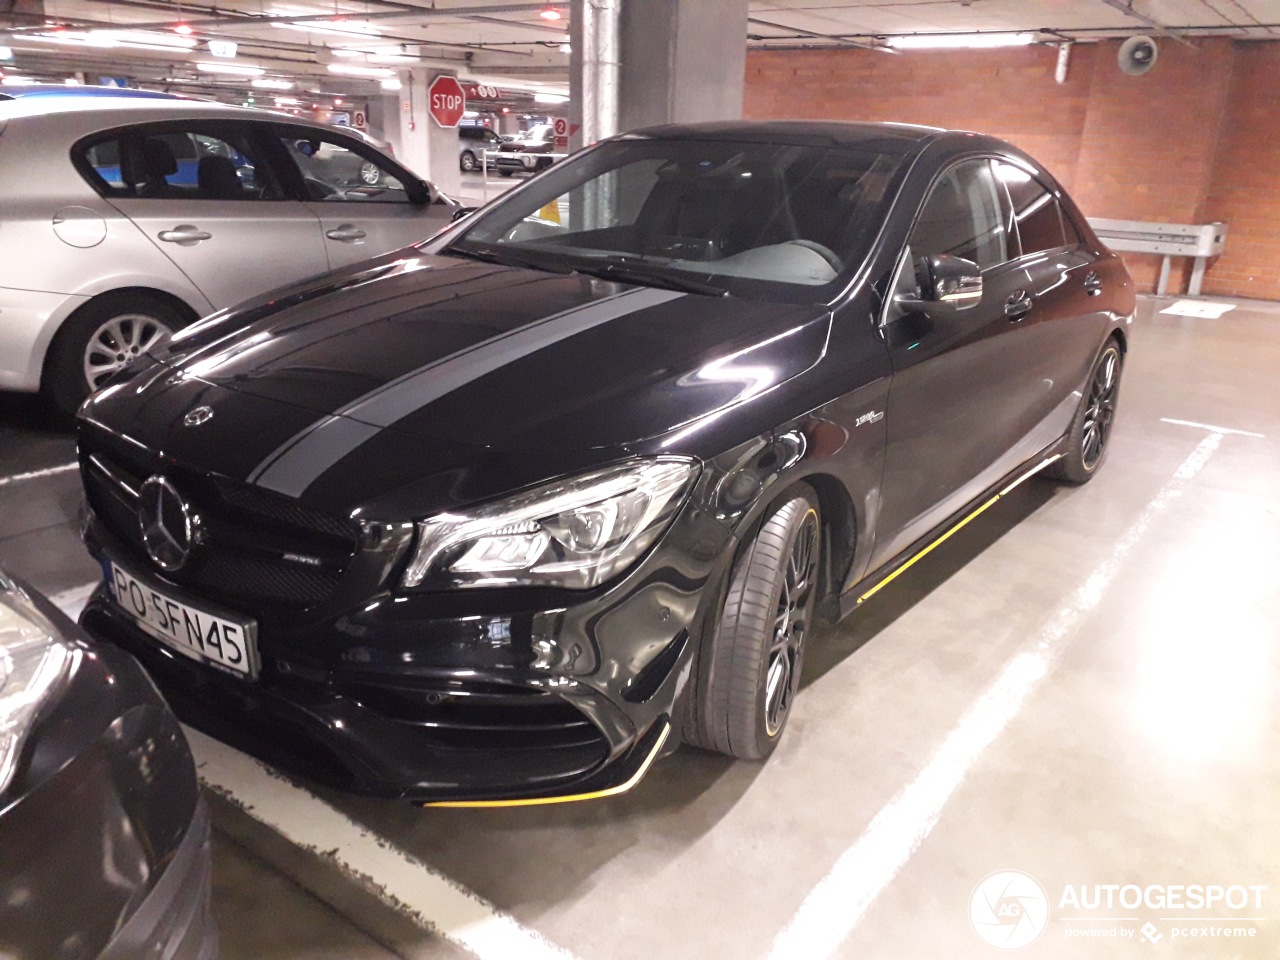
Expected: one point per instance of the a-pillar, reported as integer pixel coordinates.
(677, 61)
(426, 148)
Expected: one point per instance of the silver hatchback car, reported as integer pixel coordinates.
(122, 220)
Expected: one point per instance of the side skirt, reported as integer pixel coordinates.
(869, 586)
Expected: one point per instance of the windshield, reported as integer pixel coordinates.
(754, 220)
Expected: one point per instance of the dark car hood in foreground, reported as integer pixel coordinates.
(434, 360)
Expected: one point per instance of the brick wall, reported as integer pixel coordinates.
(1196, 139)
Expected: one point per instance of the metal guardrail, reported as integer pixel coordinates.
(1169, 240)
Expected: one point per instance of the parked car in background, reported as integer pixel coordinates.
(153, 212)
(472, 144)
(528, 152)
(104, 837)
(503, 517)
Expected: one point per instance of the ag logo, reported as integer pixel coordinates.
(1009, 909)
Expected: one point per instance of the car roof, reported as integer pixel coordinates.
(100, 113)
(830, 133)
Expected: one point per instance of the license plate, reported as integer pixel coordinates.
(195, 632)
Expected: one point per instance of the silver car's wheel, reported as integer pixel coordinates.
(468, 161)
(118, 342)
(370, 173)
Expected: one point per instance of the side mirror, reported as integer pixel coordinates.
(462, 212)
(953, 281)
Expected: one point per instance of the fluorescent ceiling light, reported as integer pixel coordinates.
(346, 52)
(344, 28)
(351, 70)
(287, 101)
(18, 81)
(271, 83)
(949, 41)
(225, 49)
(392, 58)
(392, 83)
(6, 53)
(133, 39)
(234, 69)
(549, 98)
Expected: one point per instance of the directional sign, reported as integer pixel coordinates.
(446, 100)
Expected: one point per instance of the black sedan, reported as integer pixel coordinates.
(503, 517)
(104, 840)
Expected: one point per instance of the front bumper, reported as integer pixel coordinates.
(457, 699)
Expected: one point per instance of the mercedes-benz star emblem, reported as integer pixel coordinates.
(165, 521)
(197, 415)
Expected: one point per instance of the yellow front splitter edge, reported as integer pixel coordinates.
(571, 797)
(928, 549)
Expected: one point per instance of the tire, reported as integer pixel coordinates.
(1090, 432)
(101, 338)
(505, 173)
(467, 162)
(370, 174)
(756, 647)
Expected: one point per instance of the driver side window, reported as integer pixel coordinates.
(962, 217)
(334, 172)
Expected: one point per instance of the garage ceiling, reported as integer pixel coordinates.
(516, 43)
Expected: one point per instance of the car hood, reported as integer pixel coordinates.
(454, 359)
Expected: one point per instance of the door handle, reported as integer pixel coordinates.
(185, 235)
(346, 232)
(1017, 306)
(1093, 284)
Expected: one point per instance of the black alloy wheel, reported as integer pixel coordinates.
(757, 647)
(1089, 436)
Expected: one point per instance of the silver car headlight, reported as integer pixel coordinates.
(574, 533)
(33, 661)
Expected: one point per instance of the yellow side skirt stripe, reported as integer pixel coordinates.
(572, 797)
(926, 550)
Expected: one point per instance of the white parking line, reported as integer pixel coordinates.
(305, 820)
(1212, 429)
(36, 474)
(835, 907)
(72, 601)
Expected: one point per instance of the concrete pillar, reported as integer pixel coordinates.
(426, 148)
(680, 61)
(384, 120)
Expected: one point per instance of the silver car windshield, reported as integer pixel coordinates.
(758, 220)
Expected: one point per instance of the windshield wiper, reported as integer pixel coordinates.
(497, 255)
(628, 271)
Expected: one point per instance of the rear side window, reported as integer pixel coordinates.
(149, 163)
(1035, 210)
(962, 217)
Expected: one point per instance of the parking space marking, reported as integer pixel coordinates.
(1212, 429)
(433, 900)
(72, 601)
(835, 907)
(36, 474)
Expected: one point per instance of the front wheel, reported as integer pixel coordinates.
(370, 173)
(757, 647)
(467, 162)
(1089, 437)
(101, 339)
(505, 173)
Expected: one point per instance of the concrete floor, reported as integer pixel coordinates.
(1079, 687)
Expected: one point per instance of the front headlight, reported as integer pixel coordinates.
(33, 661)
(574, 533)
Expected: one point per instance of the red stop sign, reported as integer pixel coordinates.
(446, 101)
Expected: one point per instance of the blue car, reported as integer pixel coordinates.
(80, 90)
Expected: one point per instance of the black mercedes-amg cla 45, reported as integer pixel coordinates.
(502, 517)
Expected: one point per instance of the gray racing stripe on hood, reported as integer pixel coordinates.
(302, 459)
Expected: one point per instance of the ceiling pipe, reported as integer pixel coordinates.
(1156, 25)
(836, 41)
